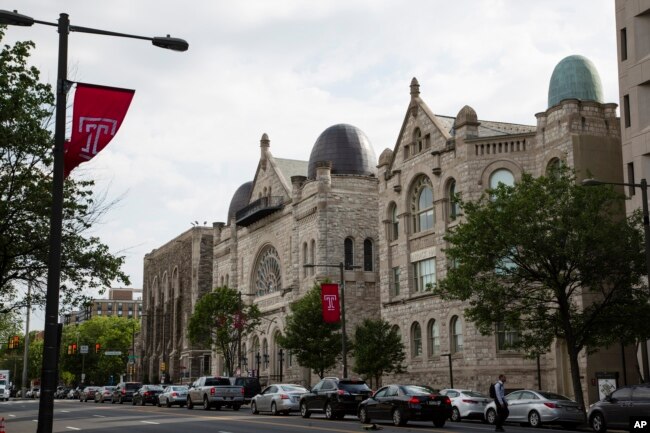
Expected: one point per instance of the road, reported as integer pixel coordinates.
(72, 415)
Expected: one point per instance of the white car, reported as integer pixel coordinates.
(466, 403)
(278, 398)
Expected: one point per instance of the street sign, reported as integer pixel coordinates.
(83, 350)
(83, 377)
(112, 353)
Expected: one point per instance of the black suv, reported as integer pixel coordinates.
(335, 397)
(251, 386)
(124, 391)
(615, 410)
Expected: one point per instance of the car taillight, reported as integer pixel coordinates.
(414, 400)
(123, 391)
(243, 391)
(446, 400)
(146, 393)
(211, 391)
(284, 396)
(470, 401)
(341, 392)
(174, 394)
(552, 405)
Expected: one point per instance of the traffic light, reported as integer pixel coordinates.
(74, 348)
(98, 347)
(69, 349)
(14, 342)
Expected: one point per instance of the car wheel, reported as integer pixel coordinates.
(439, 422)
(363, 416)
(236, 407)
(168, 403)
(455, 414)
(254, 410)
(597, 423)
(274, 409)
(304, 412)
(491, 416)
(398, 417)
(329, 413)
(190, 405)
(534, 420)
(206, 403)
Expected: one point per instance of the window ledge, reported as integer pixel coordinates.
(422, 234)
(509, 354)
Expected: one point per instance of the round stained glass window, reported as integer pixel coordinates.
(268, 277)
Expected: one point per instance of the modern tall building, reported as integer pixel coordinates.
(386, 217)
(633, 40)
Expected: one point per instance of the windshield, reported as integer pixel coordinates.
(353, 386)
(552, 396)
(293, 388)
(217, 381)
(417, 390)
(133, 386)
(474, 394)
(179, 388)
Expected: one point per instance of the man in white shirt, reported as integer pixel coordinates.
(501, 402)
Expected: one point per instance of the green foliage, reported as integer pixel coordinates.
(550, 259)
(26, 107)
(378, 349)
(221, 320)
(113, 334)
(316, 344)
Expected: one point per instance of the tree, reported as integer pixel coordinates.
(26, 161)
(316, 344)
(378, 349)
(549, 259)
(220, 319)
(112, 333)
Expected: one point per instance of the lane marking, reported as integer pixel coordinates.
(149, 422)
(100, 416)
(65, 411)
(12, 415)
(73, 428)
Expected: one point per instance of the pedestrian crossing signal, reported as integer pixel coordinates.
(97, 347)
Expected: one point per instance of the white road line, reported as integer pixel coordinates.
(221, 431)
(65, 411)
(12, 415)
(100, 416)
(150, 422)
(73, 428)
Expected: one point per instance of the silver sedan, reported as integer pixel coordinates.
(538, 407)
(173, 394)
(466, 403)
(278, 398)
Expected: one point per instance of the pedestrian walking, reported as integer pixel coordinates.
(501, 403)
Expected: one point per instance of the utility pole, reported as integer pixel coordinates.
(26, 351)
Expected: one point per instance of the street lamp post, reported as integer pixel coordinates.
(50, 346)
(258, 358)
(342, 267)
(451, 371)
(643, 185)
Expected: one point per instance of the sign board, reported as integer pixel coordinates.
(83, 377)
(83, 350)
(112, 353)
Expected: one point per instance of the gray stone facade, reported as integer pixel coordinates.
(292, 220)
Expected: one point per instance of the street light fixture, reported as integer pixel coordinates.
(50, 346)
(342, 267)
(643, 185)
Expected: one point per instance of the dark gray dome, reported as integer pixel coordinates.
(347, 147)
(240, 199)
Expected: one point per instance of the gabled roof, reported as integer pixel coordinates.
(291, 167)
(488, 128)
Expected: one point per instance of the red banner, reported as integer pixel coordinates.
(97, 115)
(330, 301)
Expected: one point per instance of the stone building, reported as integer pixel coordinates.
(388, 218)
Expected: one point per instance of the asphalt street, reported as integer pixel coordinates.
(71, 415)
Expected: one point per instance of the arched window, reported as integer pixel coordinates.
(553, 167)
(227, 280)
(305, 259)
(456, 329)
(312, 256)
(501, 176)
(422, 205)
(393, 232)
(433, 334)
(268, 277)
(368, 258)
(416, 339)
(348, 247)
(255, 353)
(417, 140)
(265, 353)
(222, 280)
(454, 207)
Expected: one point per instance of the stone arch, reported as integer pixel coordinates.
(514, 168)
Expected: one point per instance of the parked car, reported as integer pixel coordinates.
(104, 393)
(124, 391)
(211, 391)
(334, 397)
(73, 394)
(147, 394)
(251, 386)
(278, 398)
(173, 394)
(33, 392)
(88, 393)
(60, 392)
(466, 403)
(403, 403)
(538, 407)
(615, 410)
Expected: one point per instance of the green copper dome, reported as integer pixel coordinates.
(575, 77)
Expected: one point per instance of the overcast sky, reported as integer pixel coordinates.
(291, 69)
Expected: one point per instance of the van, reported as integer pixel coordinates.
(251, 386)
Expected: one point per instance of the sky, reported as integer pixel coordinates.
(291, 68)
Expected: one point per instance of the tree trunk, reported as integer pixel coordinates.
(575, 374)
